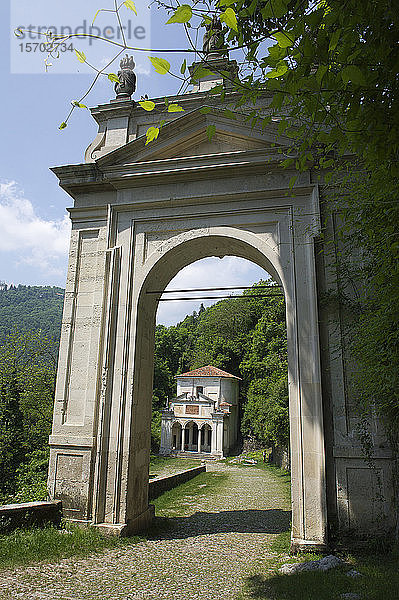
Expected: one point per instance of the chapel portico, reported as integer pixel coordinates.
(203, 418)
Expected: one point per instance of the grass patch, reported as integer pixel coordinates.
(174, 503)
(166, 465)
(282, 543)
(279, 474)
(23, 547)
(379, 579)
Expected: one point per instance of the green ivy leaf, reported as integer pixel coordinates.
(210, 131)
(205, 110)
(274, 9)
(151, 134)
(201, 72)
(175, 108)
(321, 71)
(229, 17)
(81, 56)
(285, 39)
(354, 74)
(229, 114)
(226, 2)
(182, 15)
(160, 65)
(276, 52)
(148, 105)
(334, 40)
(131, 5)
(78, 104)
(280, 70)
(63, 125)
(113, 77)
(183, 67)
(216, 89)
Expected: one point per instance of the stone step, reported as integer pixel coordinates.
(199, 455)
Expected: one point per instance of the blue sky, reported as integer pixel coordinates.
(34, 228)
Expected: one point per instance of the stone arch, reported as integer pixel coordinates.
(177, 432)
(206, 437)
(191, 431)
(306, 421)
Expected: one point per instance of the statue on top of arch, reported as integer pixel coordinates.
(213, 45)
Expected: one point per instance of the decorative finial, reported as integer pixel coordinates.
(127, 79)
(213, 44)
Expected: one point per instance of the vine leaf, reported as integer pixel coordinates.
(334, 40)
(280, 69)
(175, 108)
(151, 134)
(285, 39)
(81, 56)
(160, 64)
(182, 15)
(229, 17)
(63, 125)
(210, 131)
(78, 104)
(201, 72)
(148, 105)
(274, 9)
(354, 74)
(131, 5)
(113, 77)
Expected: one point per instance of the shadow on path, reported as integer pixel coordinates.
(204, 523)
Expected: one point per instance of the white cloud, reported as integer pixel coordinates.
(208, 272)
(28, 239)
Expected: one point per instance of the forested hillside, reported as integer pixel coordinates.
(245, 335)
(31, 308)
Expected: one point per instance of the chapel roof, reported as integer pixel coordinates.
(208, 371)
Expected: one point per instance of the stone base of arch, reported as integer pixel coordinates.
(133, 527)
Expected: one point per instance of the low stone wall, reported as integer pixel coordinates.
(30, 514)
(162, 484)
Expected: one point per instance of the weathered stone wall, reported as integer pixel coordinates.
(162, 484)
(360, 491)
(30, 514)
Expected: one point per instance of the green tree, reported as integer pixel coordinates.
(27, 378)
(264, 368)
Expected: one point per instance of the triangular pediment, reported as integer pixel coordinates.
(187, 136)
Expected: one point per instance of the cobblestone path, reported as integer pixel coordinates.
(219, 539)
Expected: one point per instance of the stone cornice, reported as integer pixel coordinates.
(77, 179)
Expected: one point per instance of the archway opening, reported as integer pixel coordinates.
(200, 437)
(231, 328)
(305, 414)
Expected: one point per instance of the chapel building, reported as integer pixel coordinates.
(203, 418)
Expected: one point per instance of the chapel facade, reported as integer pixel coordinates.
(203, 418)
